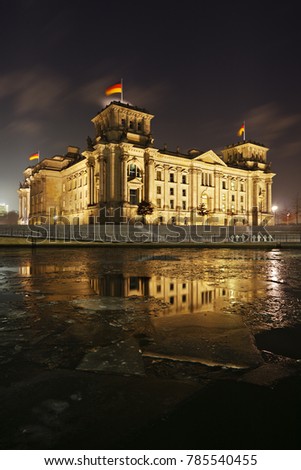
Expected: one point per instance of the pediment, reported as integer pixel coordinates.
(136, 181)
(210, 157)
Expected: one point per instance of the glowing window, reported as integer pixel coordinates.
(134, 171)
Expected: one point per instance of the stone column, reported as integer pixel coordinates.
(124, 177)
(112, 187)
(24, 206)
(28, 210)
(255, 201)
(199, 187)
(101, 163)
(217, 192)
(90, 169)
(96, 182)
(228, 196)
(20, 204)
(110, 158)
(269, 196)
(194, 189)
(237, 201)
(255, 192)
(249, 197)
(179, 189)
(166, 187)
(193, 194)
(92, 183)
(150, 180)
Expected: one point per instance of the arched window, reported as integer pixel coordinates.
(133, 171)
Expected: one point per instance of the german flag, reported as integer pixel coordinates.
(117, 88)
(241, 130)
(34, 156)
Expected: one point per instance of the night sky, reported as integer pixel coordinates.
(202, 68)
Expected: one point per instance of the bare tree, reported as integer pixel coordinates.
(296, 205)
(293, 213)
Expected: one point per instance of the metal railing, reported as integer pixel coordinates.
(118, 233)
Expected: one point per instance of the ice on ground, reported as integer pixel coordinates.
(213, 339)
(123, 357)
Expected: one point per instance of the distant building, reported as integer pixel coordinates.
(3, 209)
(121, 167)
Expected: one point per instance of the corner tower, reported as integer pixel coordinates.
(247, 155)
(120, 122)
(252, 157)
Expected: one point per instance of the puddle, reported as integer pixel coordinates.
(101, 304)
(282, 341)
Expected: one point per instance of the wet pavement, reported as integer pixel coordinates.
(150, 348)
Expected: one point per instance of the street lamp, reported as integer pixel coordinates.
(274, 210)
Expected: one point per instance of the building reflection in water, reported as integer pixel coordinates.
(55, 281)
(32, 269)
(183, 296)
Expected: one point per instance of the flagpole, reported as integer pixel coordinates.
(122, 90)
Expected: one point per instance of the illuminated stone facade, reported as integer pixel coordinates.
(121, 167)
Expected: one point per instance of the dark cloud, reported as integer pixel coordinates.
(32, 90)
(271, 122)
(24, 126)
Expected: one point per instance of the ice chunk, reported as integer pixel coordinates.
(123, 357)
